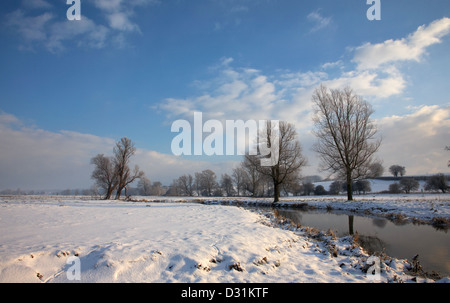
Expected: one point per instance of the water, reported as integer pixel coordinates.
(377, 234)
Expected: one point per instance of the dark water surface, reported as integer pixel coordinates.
(402, 241)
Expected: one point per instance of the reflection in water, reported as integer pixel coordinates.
(381, 235)
(379, 222)
(350, 225)
(372, 244)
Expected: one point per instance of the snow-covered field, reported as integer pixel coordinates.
(52, 239)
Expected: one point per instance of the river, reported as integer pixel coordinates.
(402, 241)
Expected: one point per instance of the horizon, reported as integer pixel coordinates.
(70, 89)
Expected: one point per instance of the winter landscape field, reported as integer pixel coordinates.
(225, 142)
(193, 240)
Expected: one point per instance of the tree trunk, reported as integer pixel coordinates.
(109, 192)
(118, 193)
(276, 192)
(349, 187)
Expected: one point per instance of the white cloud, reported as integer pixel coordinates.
(43, 30)
(36, 24)
(411, 48)
(335, 64)
(89, 34)
(417, 140)
(379, 84)
(121, 21)
(233, 94)
(319, 21)
(119, 13)
(31, 28)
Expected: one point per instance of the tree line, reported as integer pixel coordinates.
(346, 145)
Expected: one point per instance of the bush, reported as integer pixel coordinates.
(394, 188)
(320, 190)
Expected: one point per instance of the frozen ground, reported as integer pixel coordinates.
(175, 242)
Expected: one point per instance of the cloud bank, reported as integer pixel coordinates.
(33, 158)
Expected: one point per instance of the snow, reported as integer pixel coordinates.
(43, 238)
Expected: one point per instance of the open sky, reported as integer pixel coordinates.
(70, 89)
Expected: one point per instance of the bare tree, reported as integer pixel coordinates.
(123, 151)
(144, 186)
(253, 178)
(239, 176)
(174, 189)
(226, 183)
(361, 186)
(197, 183)
(157, 189)
(308, 188)
(289, 160)
(397, 170)
(104, 174)
(376, 170)
(206, 182)
(335, 187)
(394, 188)
(346, 134)
(409, 184)
(437, 182)
(186, 185)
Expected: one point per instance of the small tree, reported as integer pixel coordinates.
(239, 177)
(186, 185)
(376, 170)
(226, 184)
(157, 189)
(437, 182)
(394, 188)
(397, 170)
(335, 187)
(207, 182)
(362, 186)
(253, 178)
(144, 186)
(308, 188)
(409, 184)
(320, 190)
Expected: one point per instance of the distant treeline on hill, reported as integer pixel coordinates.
(308, 185)
(417, 177)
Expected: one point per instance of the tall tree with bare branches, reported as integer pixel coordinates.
(123, 151)
(288, 159)
(346, 134)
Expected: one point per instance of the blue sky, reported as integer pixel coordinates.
(130, 68)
